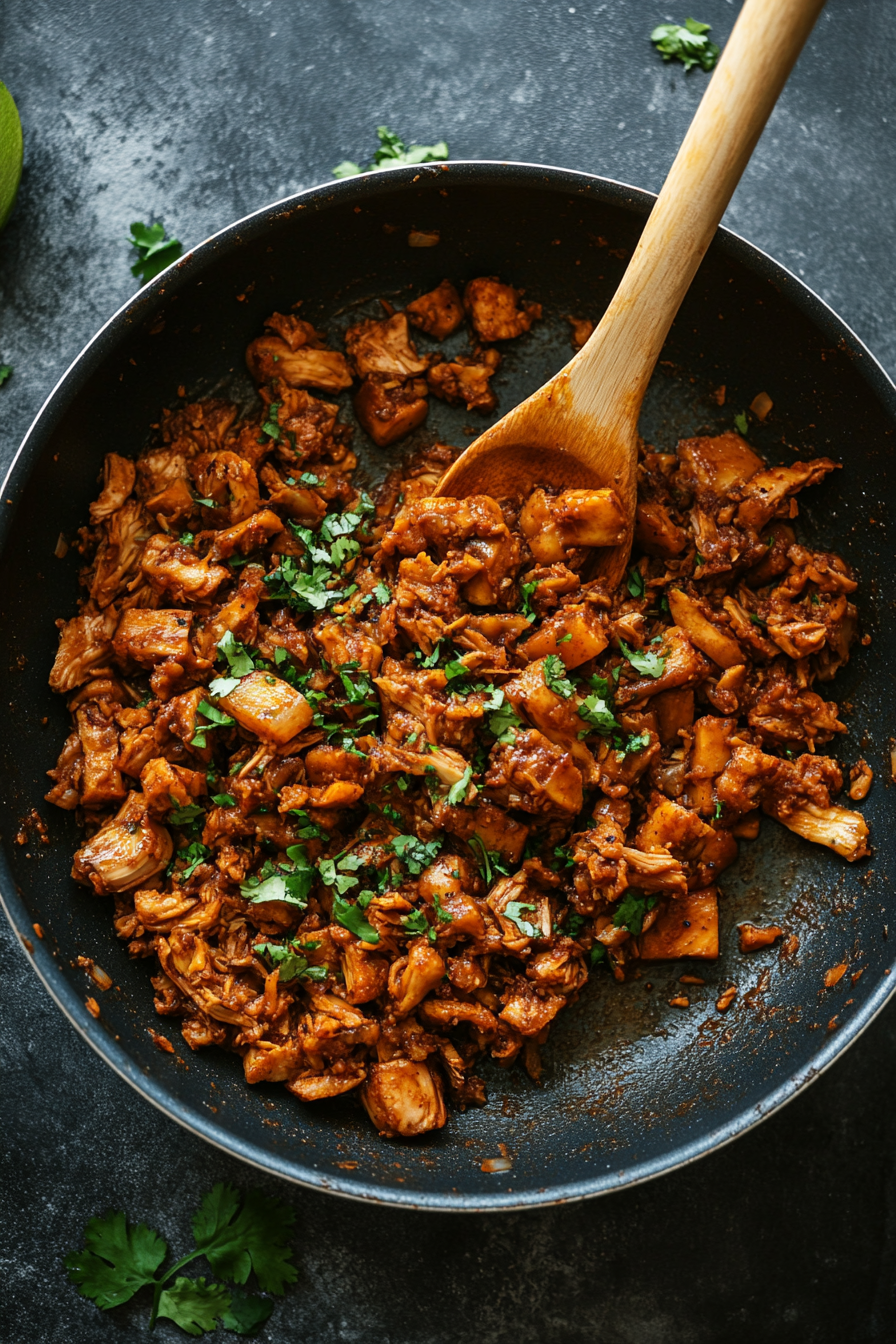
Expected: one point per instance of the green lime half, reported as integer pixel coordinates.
(10, 153)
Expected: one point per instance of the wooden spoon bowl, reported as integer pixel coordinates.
(580, 430)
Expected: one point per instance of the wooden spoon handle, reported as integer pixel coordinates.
(618, 360)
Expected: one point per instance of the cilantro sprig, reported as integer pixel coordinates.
(315, 581)
(687, 43)
(237, 1235)
(154, 250)
(393, 153)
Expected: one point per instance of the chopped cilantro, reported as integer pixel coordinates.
(526, 591)
(290, 882)
(186, 815)
(417, 923)
(687, 43)
(555, 678)
(5, 372)
(504, 722)
(238, 657)
(382, 594)
(565, 639)
(393, 153)
(630, 912)
(217, 720)
(309, 478)
(271, 426)
(513, 911)
(635, 583)
(186, 538)
(596, 710)
(717, 812)
(194, 854)
(458, 792)
(352, 918)
(757, 620)
(154, 250)
(650, 664)
(223, 800)
(415, 854)
(291, 961)
(740, 423)
(597, 953)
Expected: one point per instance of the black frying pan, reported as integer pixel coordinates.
(633, 1087)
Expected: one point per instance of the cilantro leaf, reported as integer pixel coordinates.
(513, 911)
(218, 719)
(271, 426)
(382, 594)
(458, 792)
(154, 250)
(526, 591)
(290, 882)
(194, 854)
(187, 815)
(415, 854)
(352, 918)
(238, 657)
(630, 912)
(555, 678)
(255, 1237)
(291, 961)
(393, 153)
(223, 800)
(740, 423)
(193, 1304)
(635, 582)
(687, 43)
(597, 954)
(504, 722)
(416, 923)
(597, 711)
(117, 1260)
(642, 660)
(246, 1313)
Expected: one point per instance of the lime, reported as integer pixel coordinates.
(10, 153)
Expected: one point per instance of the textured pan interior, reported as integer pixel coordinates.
(633, 1086)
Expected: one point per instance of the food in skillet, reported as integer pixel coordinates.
(377, 783)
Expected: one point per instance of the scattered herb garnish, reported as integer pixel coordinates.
(154, 250)
(488, 861)
(415, 854)
(223, 800)
(290, 881)
(504, 722)
(290, 960)
(236, 1235)
(393, 153)
(526, 591)
(513, 911)
(271, 426)
(555, 678)
(687, 43)
(642, 660)
(218, 719)
(740, 423)
(458, 792)
(630, 912)
(186, 815)
(351, 917)
(635, 582)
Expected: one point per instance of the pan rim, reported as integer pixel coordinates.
(187, 270)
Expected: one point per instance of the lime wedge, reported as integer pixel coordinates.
(10, 153)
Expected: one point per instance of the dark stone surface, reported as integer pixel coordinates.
(198, 113)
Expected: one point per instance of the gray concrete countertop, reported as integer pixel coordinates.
(198, 112)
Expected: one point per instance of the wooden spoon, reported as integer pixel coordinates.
(581, 429)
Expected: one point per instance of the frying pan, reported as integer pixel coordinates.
(634, 1087)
